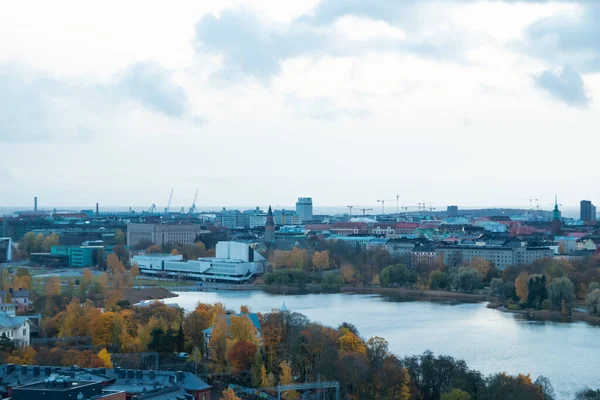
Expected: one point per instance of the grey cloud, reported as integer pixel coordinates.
(151, 85)
(566, 85)
(565, 39)
(250, 45)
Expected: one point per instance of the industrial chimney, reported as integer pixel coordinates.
(97, 210)
(35, 203)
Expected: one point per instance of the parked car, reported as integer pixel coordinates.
(183, 355)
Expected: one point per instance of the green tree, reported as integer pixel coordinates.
(438, 280)
(467, 279)
(50, 241)
(119, 237)
(592, 301)
(561, 293)
(456, 394)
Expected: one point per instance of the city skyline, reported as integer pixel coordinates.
(452, 102)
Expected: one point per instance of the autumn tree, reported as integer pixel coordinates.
(320, 260)
(218, 342)
(50, 241)
(22, 356)
(349, 274)
(242, 329)
(38, 243)
(105, 357)
(242, 355)
(298, 258)
(287, 378)
(350, 343)
(134, 271)
(153, 249)
(22, 279)
(229, 394)
(522, 286)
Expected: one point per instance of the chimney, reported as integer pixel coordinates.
(97, 210)
(130, 374)
(152, 374)
(35, 203)
(24, 369)
(179, 375)
(10, 368)
(47, 371)
(139, 374)
(36, 371)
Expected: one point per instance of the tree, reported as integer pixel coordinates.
(287, 378)
(229, 394)
(119, 237)
(592, 301)
(50, 241)
(467, 279)
(348, 273)
(545, 387)
(153, 249)
(105, 357)
(135, 270)
(561, 293)
(377, 350)
(298, 258)
(456, 394)
(121, 252)
(38, 242)
(52, 286)
(588, 394)
(320, 260)
(522, 287)
(537, 290)
(438, 280)
(242, 355)
(28, 242)
(22, 356)
(242, 329)
(350, 343)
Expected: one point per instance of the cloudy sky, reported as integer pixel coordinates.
(450, 102)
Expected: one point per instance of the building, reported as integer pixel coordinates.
(136, 384)
(304, 208)
(234, 262)
(61, 387)
(232, 219)
(556, 224)
(256, 218)
(5, 249)
(163, 233)
(16, 329)
(452, 211)
(253, 317)
(269, 227)
(20, 298)
(286, 217)
(501, 256)
(587, 211)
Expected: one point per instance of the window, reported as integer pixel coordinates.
(25, 332)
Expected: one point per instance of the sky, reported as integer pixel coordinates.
(467, 102)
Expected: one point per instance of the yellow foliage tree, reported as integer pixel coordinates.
(134, 271)
(53, 286)
(320, 260)
(279, 259)
(102, 329)
(522, 286)
(286, 378)
(104, 355)
(229, 394)
(242, 329)
(298, 258)
(22, 356)
(348, 273)
(350, 343)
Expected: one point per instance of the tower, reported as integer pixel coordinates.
(556, 224)
(269, 227)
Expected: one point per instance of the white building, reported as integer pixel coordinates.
(163, 233)
(234, 262)
(17, 329)
(304, 208)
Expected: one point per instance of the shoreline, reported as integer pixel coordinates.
(551, 315)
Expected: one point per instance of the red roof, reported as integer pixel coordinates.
(349, 225)
(407, 225)
(577, 235)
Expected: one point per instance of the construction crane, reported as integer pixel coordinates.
(350, 208)
(168, 207)
(382, 201)
(364, 210)
(152, 209)
(193, 206)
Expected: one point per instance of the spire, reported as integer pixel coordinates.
(555, 202)
(270, 212)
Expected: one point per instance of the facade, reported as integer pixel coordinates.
(587, 211)
(304, 208)
(16, 329)
(59, 387)
(136, 384)
(234, 262)
(501, 256)
(255, 218)
(5, 249)
(286, 217)
(231, 219)
(163, 233)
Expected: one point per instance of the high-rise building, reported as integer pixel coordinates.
(304, 208)
(587, 211)
(452, 211)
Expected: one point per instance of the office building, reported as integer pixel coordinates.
(304, 209)
(501, 256)
(587, 211)
(231, 219)
(234, 262)
(452, 211)
(163, 233)
(286, 217)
